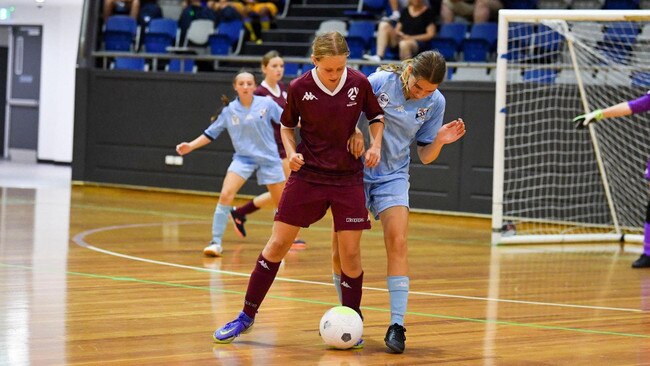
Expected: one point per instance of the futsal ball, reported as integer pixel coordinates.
(341, 327)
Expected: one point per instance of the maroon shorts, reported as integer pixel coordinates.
(303, 203)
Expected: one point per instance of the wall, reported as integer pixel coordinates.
(127, 122)
(61, 20)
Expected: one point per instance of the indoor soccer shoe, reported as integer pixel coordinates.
(642, 262)
(213, 250)
(358, 345)
(232, 330)
(238, 223)
(395, 338)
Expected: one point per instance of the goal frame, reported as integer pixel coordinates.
(536, 16)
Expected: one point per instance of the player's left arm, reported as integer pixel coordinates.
(447, 134)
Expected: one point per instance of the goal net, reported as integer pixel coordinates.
(553, 183)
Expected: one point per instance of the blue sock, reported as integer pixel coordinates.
(398, 288)
(219, 222)
(337, 285)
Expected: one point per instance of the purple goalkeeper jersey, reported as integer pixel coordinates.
(327, 119)
(640, 104)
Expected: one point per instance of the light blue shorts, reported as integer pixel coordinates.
(267, 173)
(381, 196)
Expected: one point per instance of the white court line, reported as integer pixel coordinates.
(79, 239)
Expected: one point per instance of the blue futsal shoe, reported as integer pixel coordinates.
(359, 344)
(232, 330)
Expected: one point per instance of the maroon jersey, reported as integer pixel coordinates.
(279, 96)
(327, 120)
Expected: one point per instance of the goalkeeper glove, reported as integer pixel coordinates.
(583, 120)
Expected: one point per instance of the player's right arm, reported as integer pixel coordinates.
(290, 119)
(618, 110)
(187, 147)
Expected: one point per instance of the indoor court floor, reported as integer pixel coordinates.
(95, 275)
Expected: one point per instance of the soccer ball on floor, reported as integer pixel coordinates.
(341, 327)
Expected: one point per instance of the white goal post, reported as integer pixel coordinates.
(552, 182)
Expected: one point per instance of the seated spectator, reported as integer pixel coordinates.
(477, 11)
(256, 14)
(149, 9)
(193, 9)
(396, 7)
(122, 7)
(416, 27)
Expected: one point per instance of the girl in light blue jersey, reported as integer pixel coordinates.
(248, 122)
(413, 111)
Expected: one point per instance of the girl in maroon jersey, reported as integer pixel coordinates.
(327, 101)
(274, 88)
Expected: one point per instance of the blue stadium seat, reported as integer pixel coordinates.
(545, 76)
(481, 42)
(448, 41)
(233, 30)
(291, 69)
(519, 37)
(641, 79)
(160, 34)
(181, 65)
(120, 33)
(364, 30)
(368, 69)
(357, 47)
(129, 63)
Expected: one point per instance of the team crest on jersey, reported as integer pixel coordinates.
(352, 94)
(262, 112)
(421, 114)
(235, 120)
(383, 100)
(309, 96)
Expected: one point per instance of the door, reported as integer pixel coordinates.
(23, 90)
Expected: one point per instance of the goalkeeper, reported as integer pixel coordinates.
(635, 106)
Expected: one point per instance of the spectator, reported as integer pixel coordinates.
(477, 11)
(192, 10)
(125, 7)
(416, 27)
(257, 15)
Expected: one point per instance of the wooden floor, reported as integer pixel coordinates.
(105, 276)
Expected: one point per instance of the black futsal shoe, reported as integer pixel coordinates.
(642, 262)
(395, 338)
(238, 223)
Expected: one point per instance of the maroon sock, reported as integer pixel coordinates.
(259, 284)
(246, 209)
(351, 291)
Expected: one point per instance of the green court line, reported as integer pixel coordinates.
(295, 299)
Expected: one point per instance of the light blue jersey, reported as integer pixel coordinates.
(250, 129)
(404, 122)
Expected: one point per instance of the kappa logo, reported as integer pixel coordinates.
(263, 264)
(345, 284)
(309, 96)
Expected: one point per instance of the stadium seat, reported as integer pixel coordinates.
(291, 69)
(448, 41)
(129, 63)
(198, 32)
(120, 33)
(160, 34)
(519, 38)
(368, 69)
(332, 25)
(181, 65)
(641, 79)
(546, 76)
(364, 30)
(234, 31)
(480, 43)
